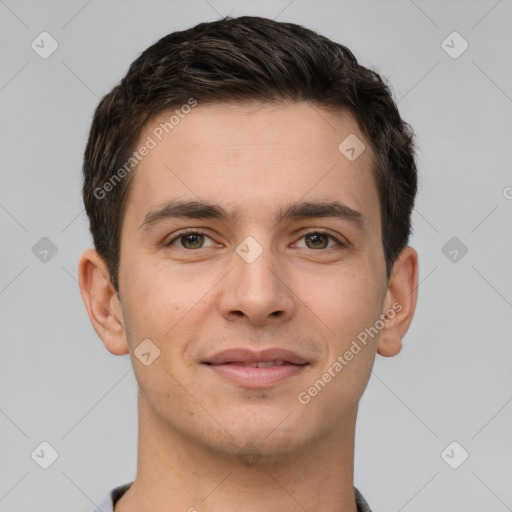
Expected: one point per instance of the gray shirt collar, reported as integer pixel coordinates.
(107, 505)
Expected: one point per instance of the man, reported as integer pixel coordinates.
(249, 188)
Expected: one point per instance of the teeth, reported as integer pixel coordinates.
(267, 364)
(260, 364)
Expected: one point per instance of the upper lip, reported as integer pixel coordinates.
(236, 355)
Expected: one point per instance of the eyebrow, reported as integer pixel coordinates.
(294, 211)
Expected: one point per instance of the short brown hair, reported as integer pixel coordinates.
(245, 59)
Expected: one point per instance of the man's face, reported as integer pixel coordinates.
(308, 284)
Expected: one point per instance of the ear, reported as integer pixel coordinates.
(101, 301)
(400, 302)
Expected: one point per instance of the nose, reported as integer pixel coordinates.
(257, 291)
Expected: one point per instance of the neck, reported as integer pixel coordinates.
(177, 473)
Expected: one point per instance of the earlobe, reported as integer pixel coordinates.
(400, 302)
(101, 302)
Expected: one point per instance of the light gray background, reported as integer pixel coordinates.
(453, 379)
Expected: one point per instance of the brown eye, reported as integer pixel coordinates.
(192, 240)
(189, 240)
(317, 240)
(320, 240)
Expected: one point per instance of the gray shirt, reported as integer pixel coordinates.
(107, 505)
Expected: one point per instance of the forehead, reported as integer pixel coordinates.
(253, 157)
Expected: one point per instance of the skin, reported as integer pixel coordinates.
(193, 302)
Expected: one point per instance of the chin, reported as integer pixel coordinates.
(270, 433)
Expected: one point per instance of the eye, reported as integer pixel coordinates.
(320, 240)
(193, 239)
(190, 240)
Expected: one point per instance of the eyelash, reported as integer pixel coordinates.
(199, 232)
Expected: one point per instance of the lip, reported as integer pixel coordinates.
(228, 365)
(237, 355)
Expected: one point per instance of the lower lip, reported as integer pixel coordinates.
(250, 377)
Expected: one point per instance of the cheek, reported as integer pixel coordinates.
(150, 304)
(346, 304)
(344, 300)
(164, 304)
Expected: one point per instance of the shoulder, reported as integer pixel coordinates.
(362, 505)
(108, 502)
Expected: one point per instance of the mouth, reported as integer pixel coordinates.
(249, 369)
